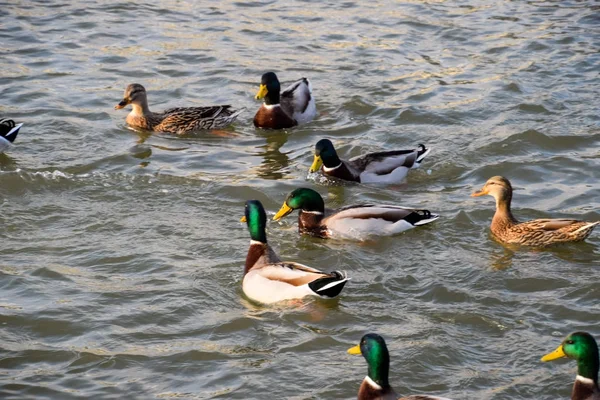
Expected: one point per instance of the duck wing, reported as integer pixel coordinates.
(551, 224)
(187, 119)
(384, 162)
(296, 97)
(385, 212)
(302, 280)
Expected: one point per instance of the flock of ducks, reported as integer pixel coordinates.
(267, 279)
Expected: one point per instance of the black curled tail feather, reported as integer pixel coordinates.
(422, 151)
(329, 286)
(420, 217)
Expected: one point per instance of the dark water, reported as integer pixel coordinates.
(121, 252)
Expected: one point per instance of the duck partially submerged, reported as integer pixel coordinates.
(582, 347)
(376, 385)
(358, 221)
(280, 110)
(267, 279)
(381, 167)
(174, 120)
(537, 232)
(8, 133)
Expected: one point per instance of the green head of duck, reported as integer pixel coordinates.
(374, 350)
(580, 346)
(256, 219)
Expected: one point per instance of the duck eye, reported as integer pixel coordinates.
(570, 342)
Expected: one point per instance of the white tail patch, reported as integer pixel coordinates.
(428, 220)
(332, 284)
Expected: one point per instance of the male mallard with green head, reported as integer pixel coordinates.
(267, 279)
(174, 120)
(537, 232)
(376, 385)
(582, 347)
(280, 110)
(358, 221)
(381, 167)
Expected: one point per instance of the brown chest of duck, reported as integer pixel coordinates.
(582, 347)
(178, 120)
(283, 109)
(535, 233)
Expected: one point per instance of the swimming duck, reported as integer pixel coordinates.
(381, 167)
(174, 120)
(355, 221)
(376, 385)
(8, 133)
(582, 347)
(538, 232)
(267, 279)
(294, 106)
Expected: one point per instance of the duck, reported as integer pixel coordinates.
(582, 347)
(356, 221)
(179, 120)
(281, 110)
(8, 133)
(387, 167)
(268, 279)
(376, 385)
(536, 233)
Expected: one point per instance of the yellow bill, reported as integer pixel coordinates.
(283, 211)
(479, 193)
(262, 92)
(317, 162)
(354, 350)
(243, 219)
(556, 354)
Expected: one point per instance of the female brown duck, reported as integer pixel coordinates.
(538, 232)
(174, 120)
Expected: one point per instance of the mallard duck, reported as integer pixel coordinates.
(8, 133)
(538, 232)
(355, 221)
(376, 385)
(582, 347)
(174, 120)
(267, 279)
(381, 167)
(294, 106)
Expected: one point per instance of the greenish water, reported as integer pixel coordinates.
(121, 253)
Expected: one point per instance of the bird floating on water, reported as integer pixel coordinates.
(376, 385)
(280, 110)
(357, 221)
(537, 232)
(174, 120)
(267, 279)
(381, 167)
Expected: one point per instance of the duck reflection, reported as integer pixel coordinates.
(275, 163)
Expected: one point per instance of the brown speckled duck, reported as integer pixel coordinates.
(294, 106)
(174, 120)
(376, 385)
(538, 232)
